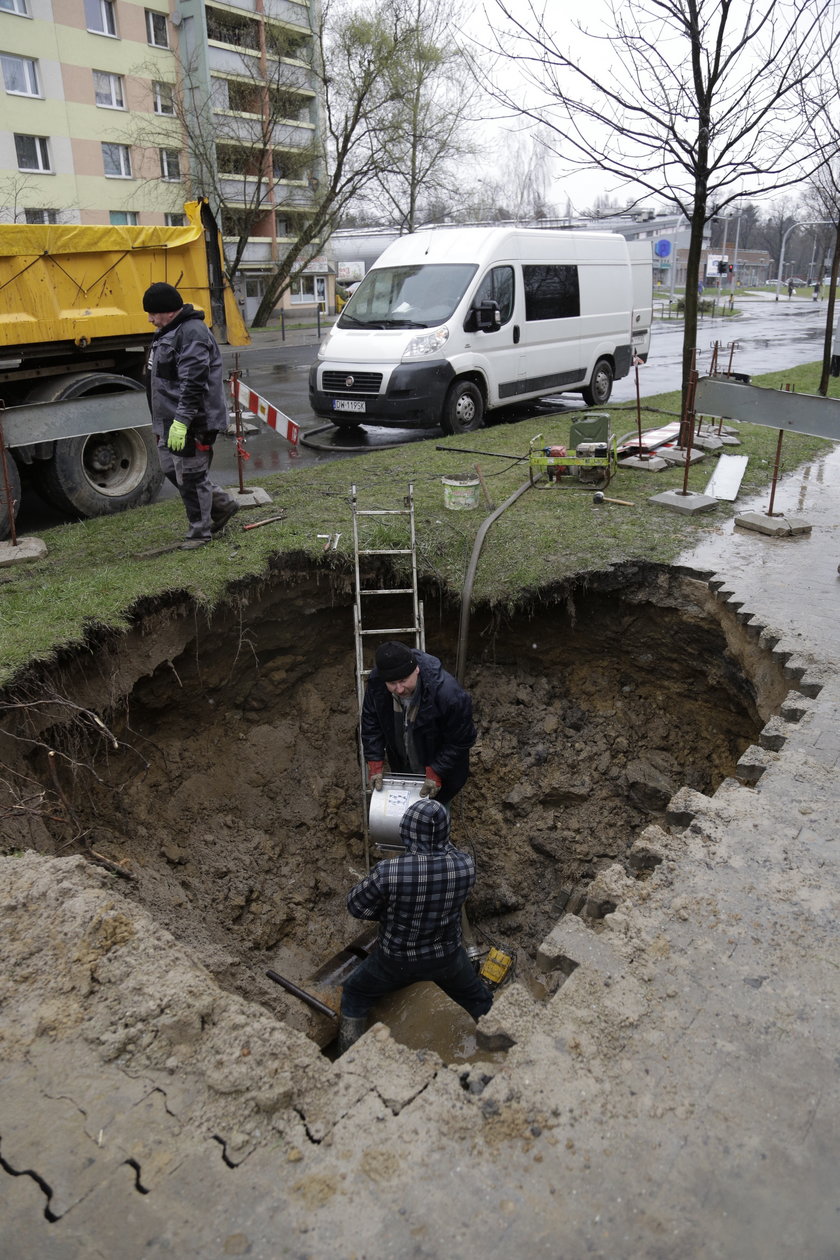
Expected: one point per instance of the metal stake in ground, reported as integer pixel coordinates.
(241, 453)
(642, 453)
(776, 465)
(7, 488)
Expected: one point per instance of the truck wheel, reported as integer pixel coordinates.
(101, 473)
(598, 391)
(463, 410)
(13, 476)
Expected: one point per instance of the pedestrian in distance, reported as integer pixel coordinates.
(185, 389)
(791, 287)
(417, 900)
(817, 291)
(419, 719)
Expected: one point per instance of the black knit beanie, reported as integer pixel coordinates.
(394, 661)
(161, 299)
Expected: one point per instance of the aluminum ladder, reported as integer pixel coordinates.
(362, 518)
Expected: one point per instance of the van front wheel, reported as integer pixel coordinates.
(463, 410)
(598, 391)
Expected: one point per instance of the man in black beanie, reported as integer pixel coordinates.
(185, 389)
(419, 718)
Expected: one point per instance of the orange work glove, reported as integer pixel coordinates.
(431, 784)
(375, 769)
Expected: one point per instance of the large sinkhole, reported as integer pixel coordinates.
(233, 795)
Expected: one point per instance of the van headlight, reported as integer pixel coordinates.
(426, 343)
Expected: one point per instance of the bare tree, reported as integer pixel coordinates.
(823, 201)
(356, 53)
(513, 185)
(20, 193)
(427, 141)
(826, 202)
(243, 138)
(698, 101)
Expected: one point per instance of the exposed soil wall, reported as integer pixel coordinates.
(221, 769)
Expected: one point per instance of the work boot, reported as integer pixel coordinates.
(224, 516)
(349, 1031)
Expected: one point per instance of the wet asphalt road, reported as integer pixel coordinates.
(769, 336)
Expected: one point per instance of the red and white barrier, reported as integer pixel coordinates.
(269, 415)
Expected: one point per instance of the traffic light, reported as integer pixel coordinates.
(731, 269)
(721, 267)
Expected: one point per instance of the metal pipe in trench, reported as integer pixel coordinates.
(466, 589)
(290, 987)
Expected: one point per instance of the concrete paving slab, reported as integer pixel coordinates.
(677, 455)
(256, 496)
(653, 463)
(687, 503)
(707, 441)
(773, 526)
(24, 551)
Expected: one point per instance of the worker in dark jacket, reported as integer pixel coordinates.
(185, 388)
(417, 900)
(418, 718)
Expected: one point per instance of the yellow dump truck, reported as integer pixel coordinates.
(73, 342)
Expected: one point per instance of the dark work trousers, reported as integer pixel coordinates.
(203, 500)
(382, 973)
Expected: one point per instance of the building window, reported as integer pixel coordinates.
(303, 289)
(13, 6)
(99, 17)
(170, 164)
(156, 32)
(33, 153)
(163, 97)
(116, 160)
(176, 220)
(108, 89)
(123, 218)
(20, 75)
(33, 215)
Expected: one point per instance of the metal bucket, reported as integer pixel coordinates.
(388, 806)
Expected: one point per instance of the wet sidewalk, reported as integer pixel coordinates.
(793, 582)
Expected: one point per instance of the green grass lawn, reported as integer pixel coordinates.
(94, 575)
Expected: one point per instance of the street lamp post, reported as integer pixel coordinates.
(804, 223)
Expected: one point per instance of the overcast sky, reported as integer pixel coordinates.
(581, 189)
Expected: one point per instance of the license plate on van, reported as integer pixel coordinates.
(347, 404)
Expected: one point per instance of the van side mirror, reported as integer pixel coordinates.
(487, 317)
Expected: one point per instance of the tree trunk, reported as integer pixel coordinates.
(829, 314)
(280, 279)
(692, 280)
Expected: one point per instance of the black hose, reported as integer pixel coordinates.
(466, 589)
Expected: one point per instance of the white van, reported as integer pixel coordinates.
(451, 323)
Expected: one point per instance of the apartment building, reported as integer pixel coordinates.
(116, 111)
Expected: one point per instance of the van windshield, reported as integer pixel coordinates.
(421, 296)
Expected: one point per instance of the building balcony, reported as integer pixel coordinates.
(246, 129)
(244, 64)
(257, 250)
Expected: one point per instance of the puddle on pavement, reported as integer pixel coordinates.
(235, 798)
